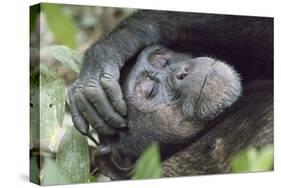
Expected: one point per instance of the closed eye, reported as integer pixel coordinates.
(168, 62)
(147, 88)
(160, 60)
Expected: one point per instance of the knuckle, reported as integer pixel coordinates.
(104, 130)
(95, 123)
(107, 118)
(100, 129)
(92, 86)
(93, 94)
(76, 119)
(92, 82)
(76, 88)
(98, 126)
(109, 91)
(117, 103)
(111, 120)
(107, 76)
(105, 81)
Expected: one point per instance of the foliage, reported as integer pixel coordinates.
(253, 160)
(52, 95)
(70, 161)
(51, 174)
(72, 164)
(47, 102)
(51, 108)
(73, 156)
(34, 170)
(60, 24)
(34, 12)
(68, 57)
(148, 165)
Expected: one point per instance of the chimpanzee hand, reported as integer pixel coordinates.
(96, 97)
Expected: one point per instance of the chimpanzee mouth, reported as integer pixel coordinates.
(204, 85)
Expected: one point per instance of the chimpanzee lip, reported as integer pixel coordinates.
(204, 85)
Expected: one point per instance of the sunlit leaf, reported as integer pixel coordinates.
(52, 96)
(52, 104)
(149, 164)
(68, 57)
(47, 102)
(60, 24)
(73, 156)
(240, 162)
(253, 160)
(51, 174)
(265, 159)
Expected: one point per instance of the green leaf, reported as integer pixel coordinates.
(92, 179)
(60, 24)
(51, 174)
(252, 160)
(33, 14)
(149, 164)
(47, 103)
(51, 108)
(34, 112)
(34, 170)
(265, 159)
(240, 162)
(68, 57)
(52, 97)
(73, 156)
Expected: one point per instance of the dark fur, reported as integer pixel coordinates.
(249, 122)
(241, 41)
(246, 42)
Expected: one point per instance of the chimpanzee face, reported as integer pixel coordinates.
(199, 88)
(171, 96)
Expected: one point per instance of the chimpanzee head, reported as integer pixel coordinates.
(171, 97)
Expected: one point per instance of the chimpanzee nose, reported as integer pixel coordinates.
(182, 72)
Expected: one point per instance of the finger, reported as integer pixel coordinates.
(114, 93)
(79, 122)
(101, 103)
(91, 115)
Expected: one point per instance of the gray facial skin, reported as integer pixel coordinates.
(171, 98)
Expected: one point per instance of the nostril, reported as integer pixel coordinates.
(181, 75)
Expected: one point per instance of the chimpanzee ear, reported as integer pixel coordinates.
(108, 166)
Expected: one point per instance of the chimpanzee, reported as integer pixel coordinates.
(174, 100)
(244, 42)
